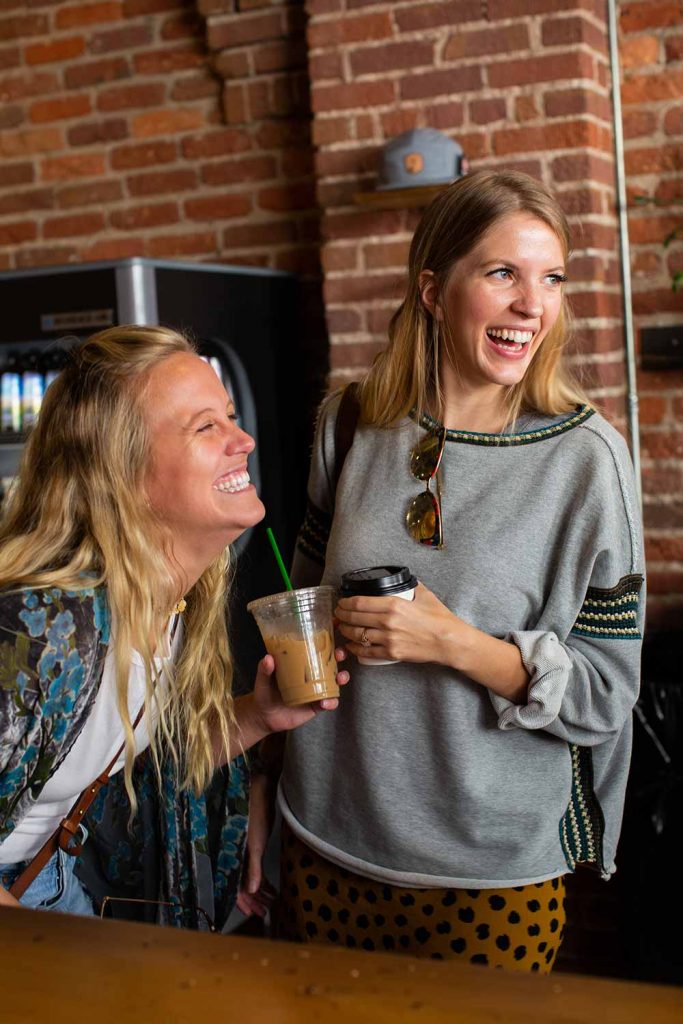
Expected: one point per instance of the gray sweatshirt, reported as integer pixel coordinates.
(423, 777)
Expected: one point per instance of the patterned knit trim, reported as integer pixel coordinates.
(611, 614)
(583, 412)
(314, 533)
(583, 824)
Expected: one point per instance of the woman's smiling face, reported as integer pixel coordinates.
(501, 300)
(197, 480)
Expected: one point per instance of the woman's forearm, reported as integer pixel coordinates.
(248, 729)
(425, 630)
(251, 727)
(263, 713)
(495, 664)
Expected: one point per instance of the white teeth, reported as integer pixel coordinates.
(518, 337)
(233, 483)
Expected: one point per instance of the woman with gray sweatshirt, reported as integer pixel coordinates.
(439, 810)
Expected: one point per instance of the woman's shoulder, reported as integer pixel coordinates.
(603, 468)
(584, 429)
(329, 407)
(600, 427)
(589, 452)
(604, 442)
(337, 419)
(55, 612)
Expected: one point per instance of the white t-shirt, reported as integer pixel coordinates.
(98, 741)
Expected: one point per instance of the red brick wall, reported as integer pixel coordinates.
(651, 48)
(119, 138)
(103, 106)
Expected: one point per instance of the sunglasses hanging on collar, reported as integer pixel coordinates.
(423, 517)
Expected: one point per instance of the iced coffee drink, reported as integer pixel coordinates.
(305, 669)
(297, 631)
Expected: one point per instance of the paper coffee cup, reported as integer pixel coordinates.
(379, 581)
(297, 631)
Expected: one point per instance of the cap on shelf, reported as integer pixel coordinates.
(422, 156)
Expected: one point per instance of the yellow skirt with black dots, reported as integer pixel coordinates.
(519, 929)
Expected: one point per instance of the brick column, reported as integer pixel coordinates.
(520, 84)
(651, 48)
(258, 50)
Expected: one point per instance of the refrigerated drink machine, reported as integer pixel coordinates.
(243, 320)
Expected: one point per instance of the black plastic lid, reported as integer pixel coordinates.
(377, 581)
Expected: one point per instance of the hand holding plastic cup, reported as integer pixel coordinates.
(379, 581)
(297, 631)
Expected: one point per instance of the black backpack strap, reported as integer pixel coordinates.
(345, 427)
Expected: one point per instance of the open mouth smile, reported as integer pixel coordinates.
(510, 341)
(233, 483)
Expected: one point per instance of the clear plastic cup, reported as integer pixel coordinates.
(297, 630)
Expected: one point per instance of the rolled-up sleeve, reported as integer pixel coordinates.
(581, 691)
(585, 669)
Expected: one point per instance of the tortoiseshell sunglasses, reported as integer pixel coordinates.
(423, 517)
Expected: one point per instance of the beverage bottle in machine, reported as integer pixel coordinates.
(10, 415)
(32, 389)
(51, 364)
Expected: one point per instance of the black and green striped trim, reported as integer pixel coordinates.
(583, 412)
(582, 826)
(611, 614)
(314, 533)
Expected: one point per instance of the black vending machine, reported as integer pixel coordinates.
(244, 321)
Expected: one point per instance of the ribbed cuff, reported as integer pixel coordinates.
(548, 664)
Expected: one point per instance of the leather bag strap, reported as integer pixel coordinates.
(345, 427)
(65, 835)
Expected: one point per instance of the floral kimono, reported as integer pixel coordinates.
(183, 850)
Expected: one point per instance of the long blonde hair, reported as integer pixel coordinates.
(78, 517)
(405, 375)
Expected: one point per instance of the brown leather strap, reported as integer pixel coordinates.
(345, 427)
(64, 836)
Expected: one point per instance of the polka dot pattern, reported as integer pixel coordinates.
(518, 929)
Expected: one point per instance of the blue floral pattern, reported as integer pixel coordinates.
(179, 848)
(48, 682)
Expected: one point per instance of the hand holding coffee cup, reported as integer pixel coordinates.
(381, 630)
(377, 581)
(274, 714)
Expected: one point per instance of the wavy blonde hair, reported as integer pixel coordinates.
(405, 375)
(79, 517)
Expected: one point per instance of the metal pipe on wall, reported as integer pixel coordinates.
(624, 249)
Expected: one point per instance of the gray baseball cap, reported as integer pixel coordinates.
(422, 156)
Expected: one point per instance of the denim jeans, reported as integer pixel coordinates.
(55, 888)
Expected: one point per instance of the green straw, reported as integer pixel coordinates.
(278, 558)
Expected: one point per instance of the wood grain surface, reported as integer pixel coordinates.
(55, 968)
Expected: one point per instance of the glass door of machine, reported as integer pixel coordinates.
(26, 370)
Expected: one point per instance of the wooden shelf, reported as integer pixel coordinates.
(398, 198)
